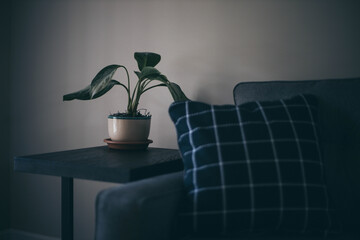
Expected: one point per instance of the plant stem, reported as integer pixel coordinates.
(158, 85)
(129, 97)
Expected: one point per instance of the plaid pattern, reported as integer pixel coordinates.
(252, 168)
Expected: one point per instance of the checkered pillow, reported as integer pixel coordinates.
(252, 168)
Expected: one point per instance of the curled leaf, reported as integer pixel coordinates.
(149, 72)
(176, 92)
(102, 79)
(146, 59)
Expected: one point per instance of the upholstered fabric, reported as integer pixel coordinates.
(140, 210)
(339, 125)
(252, 168)
(148, 209)
(266, 237)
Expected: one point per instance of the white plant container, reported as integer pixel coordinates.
(129, 129)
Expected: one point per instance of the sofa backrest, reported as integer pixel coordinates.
(339, 117)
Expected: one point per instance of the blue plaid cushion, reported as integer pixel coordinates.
(252, 168)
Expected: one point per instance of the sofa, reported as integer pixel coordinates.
(149, 209)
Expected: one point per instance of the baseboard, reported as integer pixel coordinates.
(14, 234)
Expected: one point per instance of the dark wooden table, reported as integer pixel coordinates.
(97, 163)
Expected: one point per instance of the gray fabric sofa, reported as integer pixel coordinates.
(148, 209)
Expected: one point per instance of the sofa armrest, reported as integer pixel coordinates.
(139, 210)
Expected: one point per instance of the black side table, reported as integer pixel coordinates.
(97, 163)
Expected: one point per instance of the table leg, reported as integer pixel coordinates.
(67, 207)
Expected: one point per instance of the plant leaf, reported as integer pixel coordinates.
(107, 88)
(102, 79)
(146, 59)
(176, 92)
(153, 74)
(85, 94)
(150, 73)
(138, 74)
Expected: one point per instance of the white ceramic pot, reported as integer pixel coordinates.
(129, 129)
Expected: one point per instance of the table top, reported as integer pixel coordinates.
(102, 163)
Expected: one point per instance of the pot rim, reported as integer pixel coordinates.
(130, 118)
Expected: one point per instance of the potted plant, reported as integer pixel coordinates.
(130, 126)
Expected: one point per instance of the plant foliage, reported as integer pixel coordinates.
(148, 77)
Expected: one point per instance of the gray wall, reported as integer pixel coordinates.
(4, 115)
(207, 46)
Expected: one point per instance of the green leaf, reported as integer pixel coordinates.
(138, 74)
(102, 79)
(146, 59)
(107, 88)
(149, 72)
(176, 92)
(152, 74)
(85, 94)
